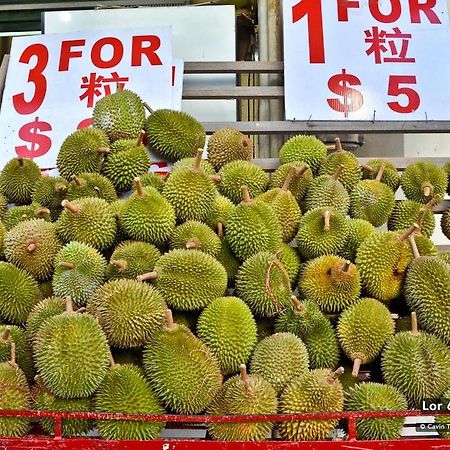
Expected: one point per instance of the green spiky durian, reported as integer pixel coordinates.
(314, 391)
(19, 292)
(195, 235)
(321, 231)
(79, 272)
(91, 185)
(304, 148)
(71, 354)
(120, 115)
(2, 240)
(291, 261)
(363, 329)
(445, 223)
(128, 311)
(89, 220)
(445, 256)
(132, 258)
(228, 260)
(252, 227)
(50, 192)
(243, 395)
(227, 145)
(220, 211)
(376, 397)
(423, 180)
(174, 134)
(152, 179)
(18, 180)
(181, 369)
(446, 168)
(228, 328)
(125, 390)
(82, 151)
(235, 174)
(390, 175)
(358, 231)
(19, 214)
(4, 203)
(279, 359)
(184, 163)
(351, 173)
(331, 282)
(298, 185)
(263, 283)
(32, 246)
(188, 279)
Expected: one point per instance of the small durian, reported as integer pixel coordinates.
(298, 185)
(390, 175)
(19, 214)
(291, 261)
(220, 211)
(152, 179)
(49, 192)
(91, 185)
(445, 223)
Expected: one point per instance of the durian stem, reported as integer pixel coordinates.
(414, 326)
(335, 375)
(220, 230)
(13, 354)
(301, 171)
(193, 244)
(69, 304)
(140, 138)
(331, 147)
(339, 148)
(338, 172)
(245, 194)
(147, 276)
(288, 179)
(74, 209)
(31, 247)
(139, 187)
(67, 265)
(103, 150)
(197, 140)
(427, 191)
(217, 178)
(20, 161)
(326, 218)
(414, 227)
(297, 304)
(112, 363)
(433, 202)
(346, 266)
(356, 366)
(5, 333)
(147, 107)
(81, 310)
(41, 212)
(244, 376)
(169, 319)
(414, 248)
(119, 264)
(367, 167)
(60, 187)
(380, 172)
(198, 161)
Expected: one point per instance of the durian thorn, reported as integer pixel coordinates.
(269, 291)
(41, 212)
(367, 167)
(31, 247)
(198, 161)
(244, 376)
(69, 304)
(74, 209)
(147, 107)
(5, 333)
(245, 194)
(433, 202)
(103, 150)
(147, 276)
(20, 161)
(119, 264)
(414, 326)
(380, 172)
(299, 307)
(76, 180)
(346, 266)
(356, 366)
(414, 248)
(139, 188)
(66, 265)
(335, 375)
(60, 187)
(289, 178)
(339, 148)
(97, 189)
(169, 319)
(427, 191)
(326, 219)
(140, 138)
(12, 361)
(217, 178)
(112, 363)
(414, 227)
(193, 244)
(220, 230)
(338, 172)
(301, 170)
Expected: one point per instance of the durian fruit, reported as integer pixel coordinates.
(304, 148)
(315, 391)
(299, 185)
(408, 360)
(390, 175)
(227, 259)
(376, 397)
(227, 145)
(195, 235)
(425, 245)
(19, 292)
(19, 214)
(181, 369)
(444, 256)
(15, 395)
(252, 227)
(82, 151)
(4, 204)
(263, 283)
(32, 246)
(372, 200)
(120, 115)
(279, 359)
(445, 223)
(61, 344)
(427, 292)
(2, 240)
(128, 311)
(291, 261)
(321, 231)
(123, 166)
(228, 328)
(191, 192)
(285, 207)
(147, 215)
(187, 163)
(447, 171)
(91, 185)
(305, 320)
(358, 231)
(50, 192)
(188, 279)
(328, 191)
(351, 173)
(79, 272)
(132, 258)
(331, 282)
(243, 395)
(363, 329)
(152, 179)
(237, 173)
(220, 211)
(125, 390)
(174, 135)
(382, 260)
(423, 180)
(89, 220)
(18, 179)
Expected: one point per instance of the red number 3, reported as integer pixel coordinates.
(36, 77)
(395, 90)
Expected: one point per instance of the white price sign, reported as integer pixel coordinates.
(54, 81)
(366, 59)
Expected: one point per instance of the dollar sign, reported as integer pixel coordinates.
(353, 99)
(40, 144)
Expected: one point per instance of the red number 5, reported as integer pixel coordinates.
(395, 90)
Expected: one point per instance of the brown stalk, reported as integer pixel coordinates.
(380, 172)
(147, 276)
(41, 212)
(244, 376)
(335, 375)
(169, 319)
(326, 218)
(147, 107)
(193, 244)
(119, 264)
(414, 248)
(140, 138)
(139, 187)
(346, 266)
(427, 191)
(69, 304)
(338, 172)
(103, 150)
(198, 161)
(67, 265)
(245, 195)
(367, 167)
(20, 161)
(5, 333)
(31, 247)
(74, 209)
(217, 178)
(356, 366)
(12, 361)
(112, 363)
(414, 227)
(289, 177)
(301, 170)
(339, 148)
(414, 326)
(220, 230)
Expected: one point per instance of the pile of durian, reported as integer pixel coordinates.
(218, 289)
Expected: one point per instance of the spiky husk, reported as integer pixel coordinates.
(220, 211)
(298, 185)
(291, 261)
(20, 214)
(154, 180)
(406, 213)
(445, 223)
(228, 260)
(351, 173)
(390, 175)
(326, 192)
(50, 192)
(358, 231)
(91, 185)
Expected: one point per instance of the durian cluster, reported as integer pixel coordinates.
(217, 289)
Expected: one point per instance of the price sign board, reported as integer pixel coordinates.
(54, 81)
(366, 59)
